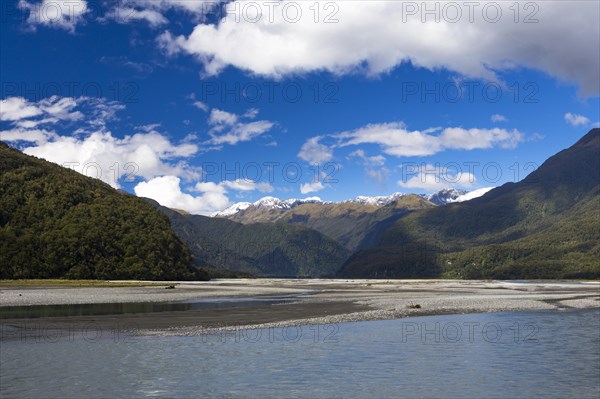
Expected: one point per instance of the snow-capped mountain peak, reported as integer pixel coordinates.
(445, 196)
(268, 203)
(272, 202)
(442, 197)
(378, 200)
(233, 209)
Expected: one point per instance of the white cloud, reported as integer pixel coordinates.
(103, 156)
(359, 41)
(374, 165)
(314, 152)
(201, 106)
(62, 14)
(229, 128)
(251, 113)
(248, 185)
(376, 160)
(394, 139)
(152, 11)
(499, 118)
(166, 190)
(220, 117)
(434, 178)
(37, 136)
(124, 15)
(192, 6)
(311, 187)
(241, 132)
(17, 108)
(149, 127)
(26, 114)
(92, 149)
(576, 119)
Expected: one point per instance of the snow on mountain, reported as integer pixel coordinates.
(276, 203)
(442, 197)
(233, 209)
(269, 203)
(445, 196)
(378, 201)
(473, 194)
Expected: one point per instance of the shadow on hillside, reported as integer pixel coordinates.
(410, 258)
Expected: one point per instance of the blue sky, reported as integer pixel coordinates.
(199, 105)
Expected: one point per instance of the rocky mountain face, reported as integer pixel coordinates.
(356, 223)
(441, 197)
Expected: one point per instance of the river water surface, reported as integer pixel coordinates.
(538, 354)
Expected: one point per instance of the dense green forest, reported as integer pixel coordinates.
(259, 249)
(545, 226)
(57, 223)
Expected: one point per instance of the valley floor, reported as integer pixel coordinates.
(305, 302)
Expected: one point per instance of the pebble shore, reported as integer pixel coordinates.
(318, 301)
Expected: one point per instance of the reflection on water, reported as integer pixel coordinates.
(504, 355)
(96, 309)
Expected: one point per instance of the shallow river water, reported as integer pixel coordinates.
(545, 354)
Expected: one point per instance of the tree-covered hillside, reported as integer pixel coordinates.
(546, 226)
(260, 249)
(57, 223)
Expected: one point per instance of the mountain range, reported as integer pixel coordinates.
(355, 224)
(56, 223)
(442, 197)
(225, 247)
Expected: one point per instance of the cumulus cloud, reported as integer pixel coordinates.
(167, 191)
(314, 152)
(37, 136)
(395, 139)
(474, 45)
(103, 156)
(146, 153)
(17, 108)
(576, 119)
(92, 149)
(61, 14)
(313, 187)
(23, 113)
(435, 177)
